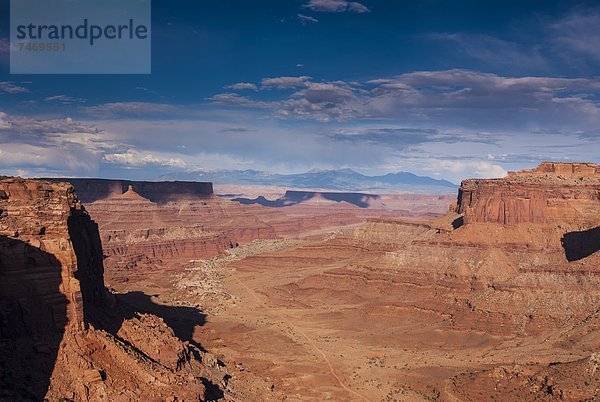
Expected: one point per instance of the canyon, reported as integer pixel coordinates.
(148, 228)
(63, 336)
(306, 295)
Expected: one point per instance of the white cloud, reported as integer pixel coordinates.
(240, 86)
(65, 158)
(51, 145)
(304, 19)
(64, 99)
(336, 6)
(11, 88)
(4, 123)
(238, 100)
(135, 158)
(474, 169)
(285, 82)
(240, 139)
(454, 96)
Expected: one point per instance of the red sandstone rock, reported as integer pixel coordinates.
(43, 229)
(551, 192)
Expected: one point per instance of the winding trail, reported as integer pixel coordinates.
(310, 341)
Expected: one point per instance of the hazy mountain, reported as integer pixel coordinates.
(339, 180)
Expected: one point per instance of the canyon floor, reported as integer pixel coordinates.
(259, 321)
(321, 319)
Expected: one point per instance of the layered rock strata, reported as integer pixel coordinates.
(552, 192)
(51, 251)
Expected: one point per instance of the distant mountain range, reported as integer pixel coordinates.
(338, 180)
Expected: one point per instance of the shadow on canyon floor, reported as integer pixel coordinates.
(297, 197)
(579, 245)
(181, 319)
(33, 316)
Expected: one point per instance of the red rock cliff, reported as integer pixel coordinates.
(568, 192)
(51, 256)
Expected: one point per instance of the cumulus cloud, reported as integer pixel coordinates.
(59, 145)
(336, 6)
(237, 100)
(321, 101)
(134, 158)
(458, 96)
(451, 124)
(285, 82)
(476, 169)
(66, 159)
(12, 88)
(67, 147)
(140, 148)
(36, 130)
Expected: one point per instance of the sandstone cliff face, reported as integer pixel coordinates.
(51, 281)
(552, 192)
(45, 233)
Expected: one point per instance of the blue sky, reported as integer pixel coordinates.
(449, 89)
